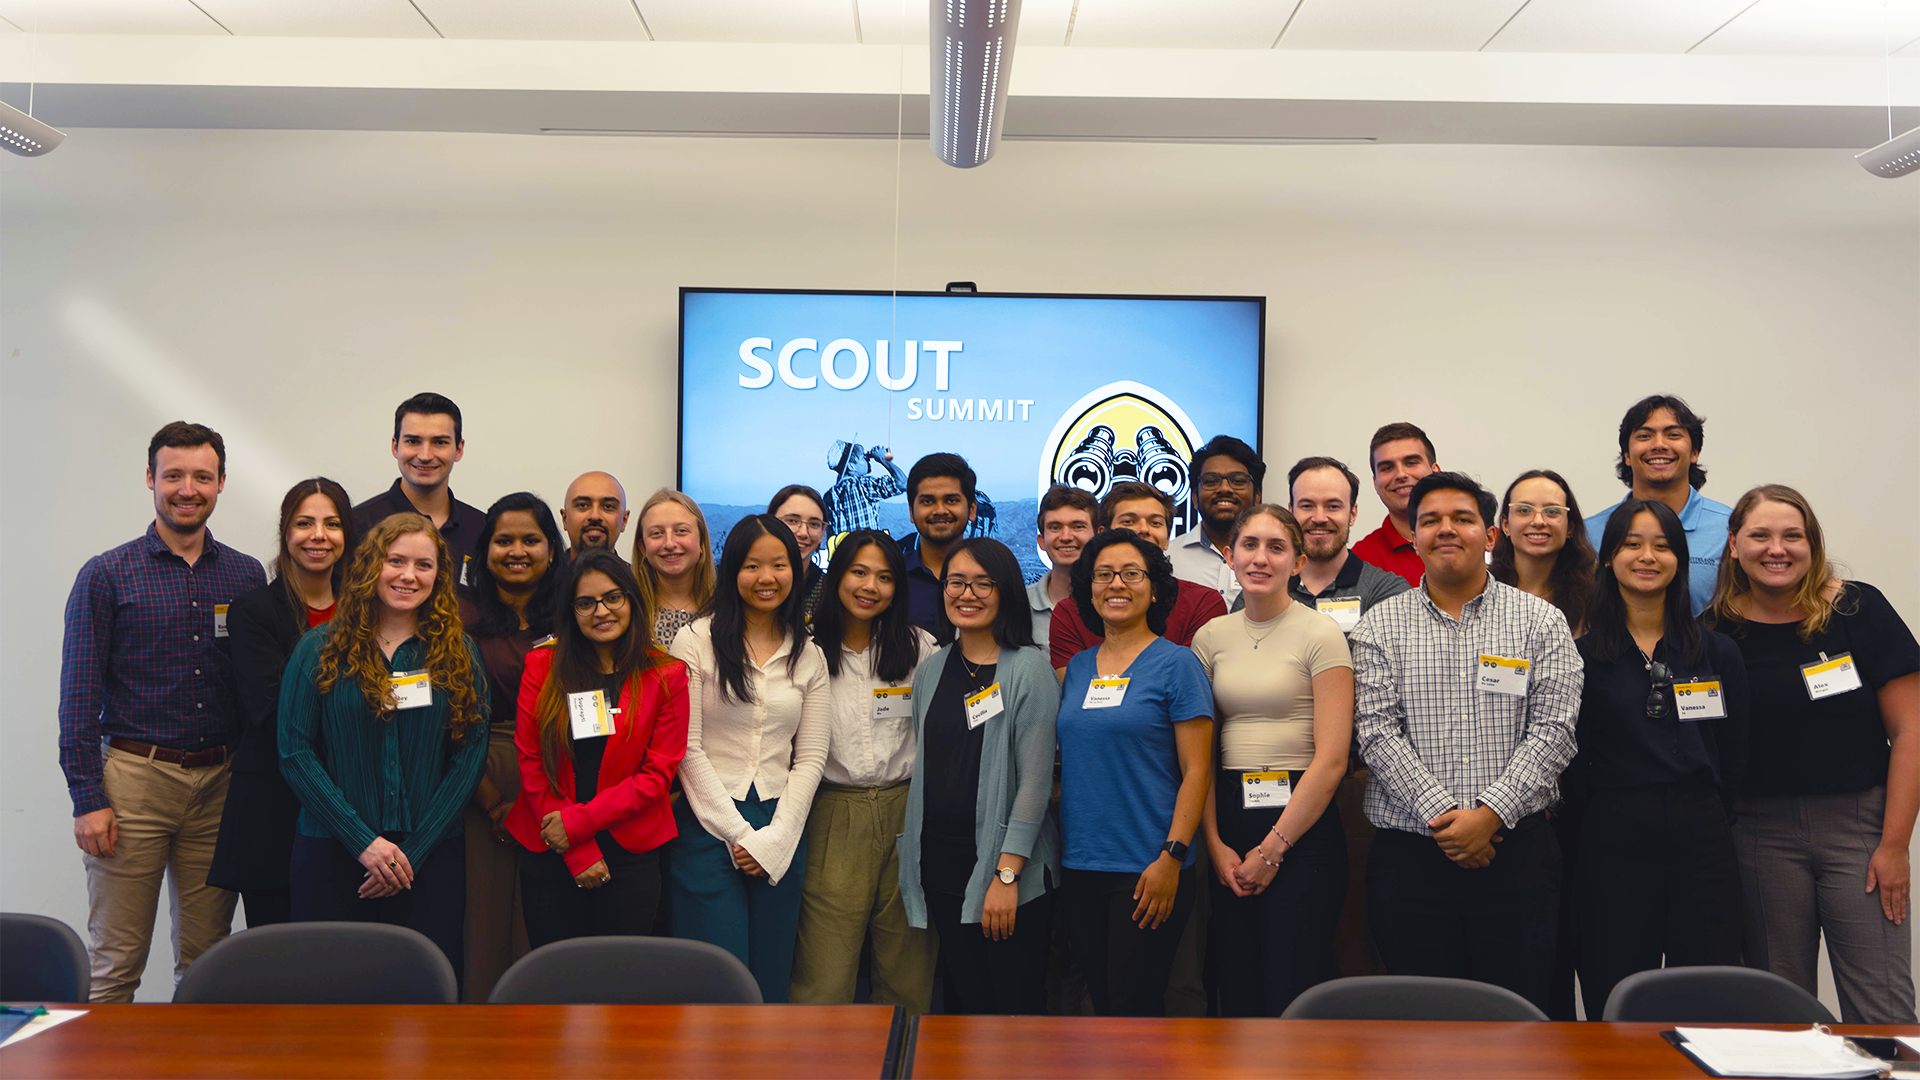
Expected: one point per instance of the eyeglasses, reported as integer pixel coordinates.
(1526, 510)
(614, 601)
(1132, 575)
(1656, 700)
(1238, 481)
(795, 522)
(980, 587)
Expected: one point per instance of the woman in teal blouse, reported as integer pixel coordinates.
(383, 735)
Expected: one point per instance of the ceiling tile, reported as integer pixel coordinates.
(303, 18)
(1818, 28)
(1396, 25)
(1613, 26)
(790, 22)
(1192, 24)
(537, 20)
(108, 17)
(1042, 22)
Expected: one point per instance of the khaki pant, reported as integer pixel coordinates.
(852, 895)
(169, 818)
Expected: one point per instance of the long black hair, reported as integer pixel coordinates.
(1571, 579)
(1013, 620)
(729, 611)
(1609, 611)
(1166, 588)
(496, 618)
(894, 650)
(576, 657)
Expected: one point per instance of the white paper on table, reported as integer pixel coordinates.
(1909, 1042)
(54, 1018)
(1806, 1053)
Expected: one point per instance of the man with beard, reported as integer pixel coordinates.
(1225, 478)
(595, 513)
(1659, 459)
(1399, 456)
(1066, 524)
(148, 719)
(941, 502)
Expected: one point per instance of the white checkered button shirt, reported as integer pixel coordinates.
(1432, 740)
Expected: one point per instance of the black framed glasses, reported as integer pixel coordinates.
(1132, 575)
(980, 587)
(1238, 481)
(1656, 694)
(614, 601)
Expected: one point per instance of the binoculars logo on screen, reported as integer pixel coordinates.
(1127, 432)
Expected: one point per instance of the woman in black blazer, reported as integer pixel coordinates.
(255, 845)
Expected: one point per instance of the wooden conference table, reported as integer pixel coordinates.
(572, 1041)
(1083, 1047)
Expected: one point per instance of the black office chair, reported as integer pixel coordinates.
(321, 963)
(1712, 995)
(627, 971)
(1410, 997)
(41, 960)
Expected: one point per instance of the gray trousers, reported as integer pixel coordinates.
(1803, 872)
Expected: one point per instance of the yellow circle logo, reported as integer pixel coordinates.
(1124, 431)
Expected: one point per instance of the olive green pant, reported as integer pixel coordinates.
(851, 900)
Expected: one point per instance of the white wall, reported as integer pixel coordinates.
(289, 287)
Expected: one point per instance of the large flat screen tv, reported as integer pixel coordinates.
(843, 391)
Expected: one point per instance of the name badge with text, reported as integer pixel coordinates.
(1700, 700)
(1503, 675)
(220, 620)
(1344, 609)
(984, 706)
(1105, 693)
(411, 689)
(893, 703)
(1829, 677)
(1260, 790)
(590, 715)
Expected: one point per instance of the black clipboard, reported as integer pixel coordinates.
(1680, 1043)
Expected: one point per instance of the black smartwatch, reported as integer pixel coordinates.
(1176, 849)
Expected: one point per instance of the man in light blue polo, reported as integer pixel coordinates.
(1660, 441)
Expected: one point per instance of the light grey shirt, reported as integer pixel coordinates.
(1041, 605)
(1195, 559)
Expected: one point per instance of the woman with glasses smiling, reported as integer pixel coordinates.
(980, 853)
(1663, 744)
(602, 729)
(802, 511)
(1543, 547)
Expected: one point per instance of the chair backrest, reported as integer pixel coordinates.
(1712, 995)
(1410, 997)
(41, 960)
(321, 963)
(627, 971)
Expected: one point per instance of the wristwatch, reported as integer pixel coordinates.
(1007, 875)
(1176, 849)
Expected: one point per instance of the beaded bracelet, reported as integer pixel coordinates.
(1264, 859)
(1283, 836)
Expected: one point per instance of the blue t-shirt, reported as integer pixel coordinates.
(1119, 769)
(1705, 522)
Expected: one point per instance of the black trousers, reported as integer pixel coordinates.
(1126, 967)
(1658, 878)
(557, 908)
(1269, 947)
(1496, 924)
(982, 977)
(1566, 943)
(325, 881)
(267, 906)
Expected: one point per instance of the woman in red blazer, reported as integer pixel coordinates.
(602, 729)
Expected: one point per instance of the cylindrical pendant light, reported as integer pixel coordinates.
(972, 53)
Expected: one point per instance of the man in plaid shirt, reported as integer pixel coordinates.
(148, 718)
(1465, 693)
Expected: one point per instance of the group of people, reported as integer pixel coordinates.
(1493, 739)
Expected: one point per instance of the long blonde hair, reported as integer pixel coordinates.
(704, 576)
(352, 655)
(1732, 584)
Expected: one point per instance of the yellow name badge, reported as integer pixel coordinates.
(410, 689)
(893, 703)
(1503, 675)
(220, 620)
(590, 715)
(1105, 693)
(1262, 790)
(984, 706)
(1700, 700)
(1345, 611)
(1833, 676)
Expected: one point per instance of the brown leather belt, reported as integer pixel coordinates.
(186, 759)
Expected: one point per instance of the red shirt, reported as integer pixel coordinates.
(1385, 548)
(318, 616)
(1193, 608)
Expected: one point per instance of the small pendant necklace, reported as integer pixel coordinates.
(1248, 626)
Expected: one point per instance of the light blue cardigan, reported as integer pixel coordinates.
(1011, 813)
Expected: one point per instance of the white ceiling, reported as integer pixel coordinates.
(1720, 27)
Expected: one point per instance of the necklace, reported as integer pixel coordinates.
(1248, 627)
(973, 672)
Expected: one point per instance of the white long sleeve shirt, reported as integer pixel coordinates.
(775, 744)
(863, 751)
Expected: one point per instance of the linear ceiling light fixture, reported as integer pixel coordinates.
(1895, 157)
(972, 54)
(24, 135)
